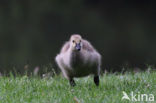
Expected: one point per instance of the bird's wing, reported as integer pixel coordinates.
(65, 47)
(87, 46)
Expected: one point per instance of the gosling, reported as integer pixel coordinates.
(78, 58)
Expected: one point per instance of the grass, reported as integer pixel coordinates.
(23, 89)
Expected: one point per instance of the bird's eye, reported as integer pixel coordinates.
(73, 41)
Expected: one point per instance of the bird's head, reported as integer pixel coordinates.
(76, 42)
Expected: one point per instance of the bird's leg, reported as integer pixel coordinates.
(96, 80)
(72, 82)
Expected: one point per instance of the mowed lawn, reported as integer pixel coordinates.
(23, 89)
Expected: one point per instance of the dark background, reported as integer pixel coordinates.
(32, 31)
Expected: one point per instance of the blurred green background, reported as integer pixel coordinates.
(32, 31)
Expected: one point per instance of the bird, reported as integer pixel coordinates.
(78, 58)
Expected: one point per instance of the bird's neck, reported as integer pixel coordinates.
(75, 56)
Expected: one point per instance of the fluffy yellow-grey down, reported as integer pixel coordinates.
(78, 58)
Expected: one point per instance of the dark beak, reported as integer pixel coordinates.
(78, 47)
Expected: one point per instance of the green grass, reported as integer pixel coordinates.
(23, 89)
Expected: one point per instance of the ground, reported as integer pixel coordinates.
(23, 89)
